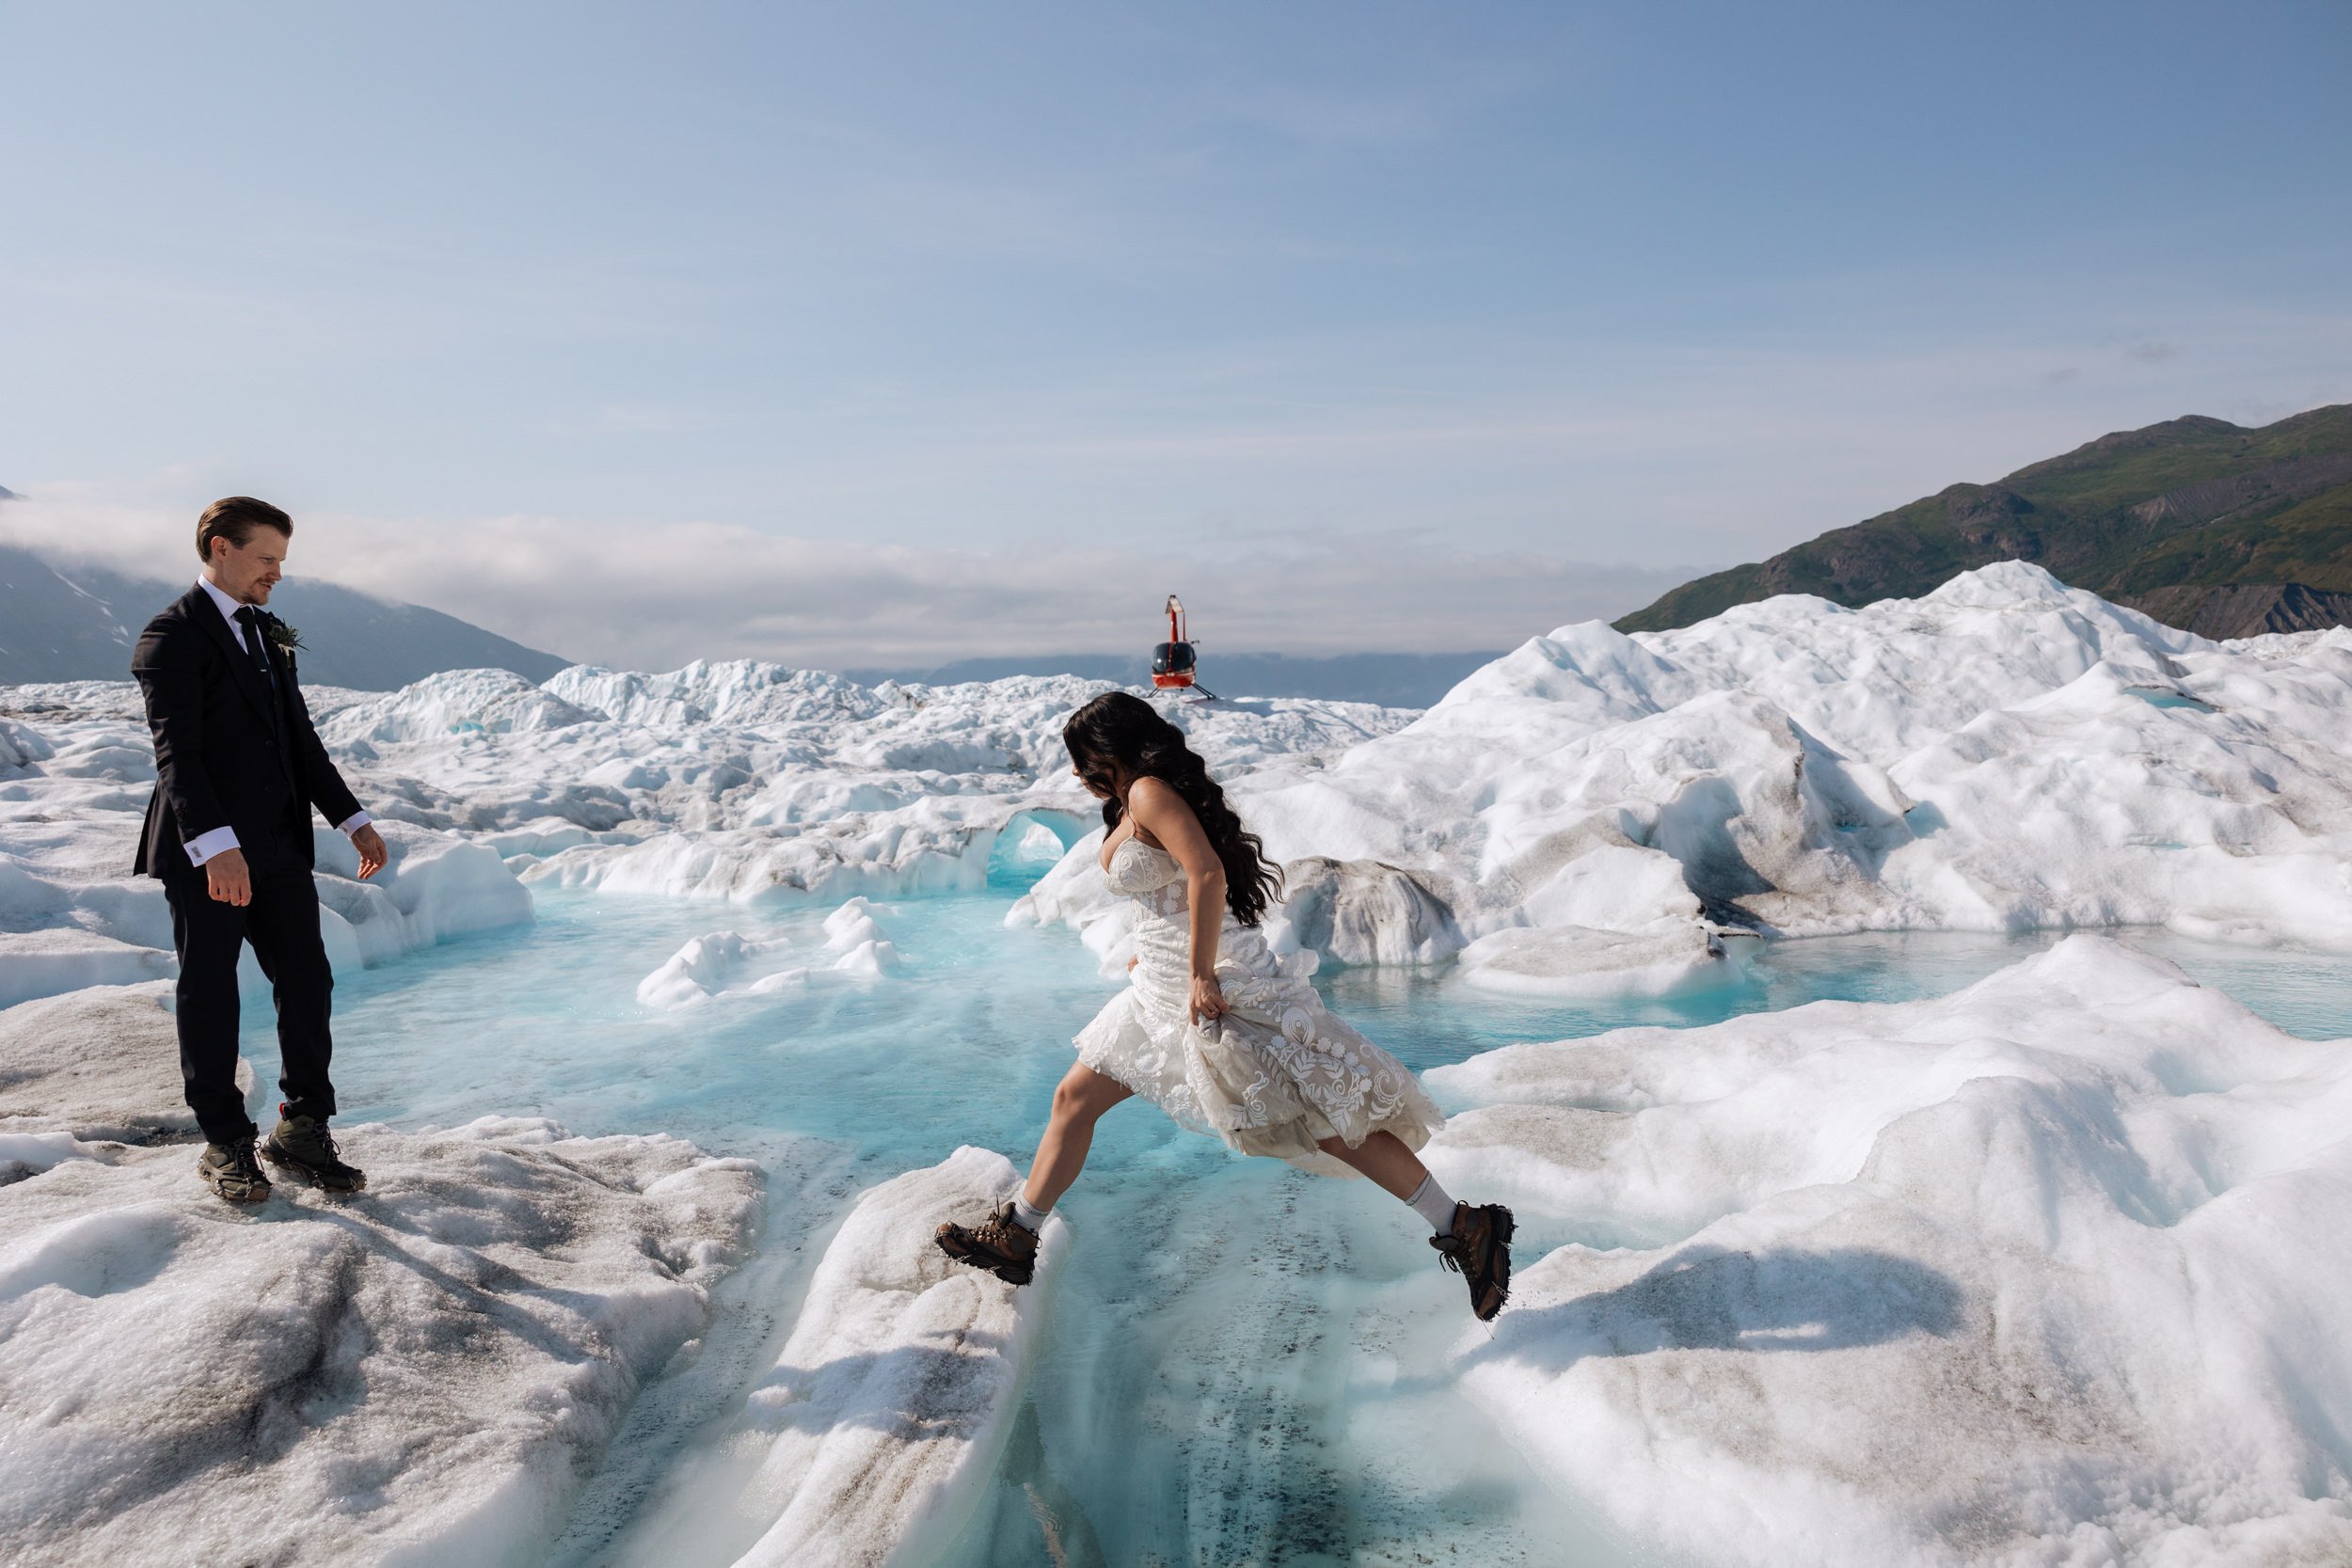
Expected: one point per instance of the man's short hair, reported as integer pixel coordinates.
(234, 518)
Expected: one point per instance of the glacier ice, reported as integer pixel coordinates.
(877, 1427)
(409, 1376)
(2047, 1270)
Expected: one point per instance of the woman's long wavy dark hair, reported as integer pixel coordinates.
(1119, 734)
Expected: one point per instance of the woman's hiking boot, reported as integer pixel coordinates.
(1479, 1249)
(302, 1145)
(230, 1169)
(999, 1244)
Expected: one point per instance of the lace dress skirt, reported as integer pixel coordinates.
(1271, 1076)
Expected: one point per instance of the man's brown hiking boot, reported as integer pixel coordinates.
(1479, 1249)
(999, 1244)
(300, 1144)
(230, 1170)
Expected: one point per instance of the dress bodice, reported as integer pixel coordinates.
(1139, 870)
(1156, 882)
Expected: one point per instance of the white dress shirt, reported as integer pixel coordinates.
(203, 847)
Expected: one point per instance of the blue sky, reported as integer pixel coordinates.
(866, 335)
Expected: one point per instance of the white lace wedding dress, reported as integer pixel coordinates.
(1282, 1072)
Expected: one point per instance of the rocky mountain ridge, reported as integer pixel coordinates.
(2203, 524)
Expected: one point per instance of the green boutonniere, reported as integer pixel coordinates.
(281, 636)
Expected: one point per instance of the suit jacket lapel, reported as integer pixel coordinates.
(240, 666)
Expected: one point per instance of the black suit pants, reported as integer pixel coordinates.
(282, 925)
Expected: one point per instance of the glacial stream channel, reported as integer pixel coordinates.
(1242, 1363)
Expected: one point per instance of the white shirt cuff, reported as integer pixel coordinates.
(357, 821)
(203, 847)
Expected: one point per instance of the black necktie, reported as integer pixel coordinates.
(250, 618)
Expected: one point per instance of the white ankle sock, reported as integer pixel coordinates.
(1431, 1202)
(1028, 1219)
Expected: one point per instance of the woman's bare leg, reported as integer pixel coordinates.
(1079, 1101)
(1396, 1169)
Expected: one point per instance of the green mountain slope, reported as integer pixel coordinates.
(2197, 522)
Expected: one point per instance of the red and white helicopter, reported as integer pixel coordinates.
(1174, 668)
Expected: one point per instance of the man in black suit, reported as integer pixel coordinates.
(238, 767)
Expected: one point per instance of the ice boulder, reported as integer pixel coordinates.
(722, 963)
(1364, 912)
(727, 963)
(439, 884)
(20, 746)
(857, 939)
(892, 1398)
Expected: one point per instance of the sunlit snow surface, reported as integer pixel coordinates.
(2051, 1271)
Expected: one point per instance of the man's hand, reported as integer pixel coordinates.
(372, 852)
(227, 880)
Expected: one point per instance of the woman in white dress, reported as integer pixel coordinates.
(1213, 1028)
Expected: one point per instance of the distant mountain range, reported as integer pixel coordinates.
(69, 622)
(2199, 523)
(61, 622)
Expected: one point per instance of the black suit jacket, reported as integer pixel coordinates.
(228, 753)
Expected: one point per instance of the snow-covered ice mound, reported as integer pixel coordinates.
(889, 1404)
(1580, 960)
(727, 963)
(2052, 1270)
(99, 1063)
(724, 963)
(416, 1374)
(863, 947)
(42, 963)
(2004, 753)
(736, 692)
(456, 702)
(72, 914)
